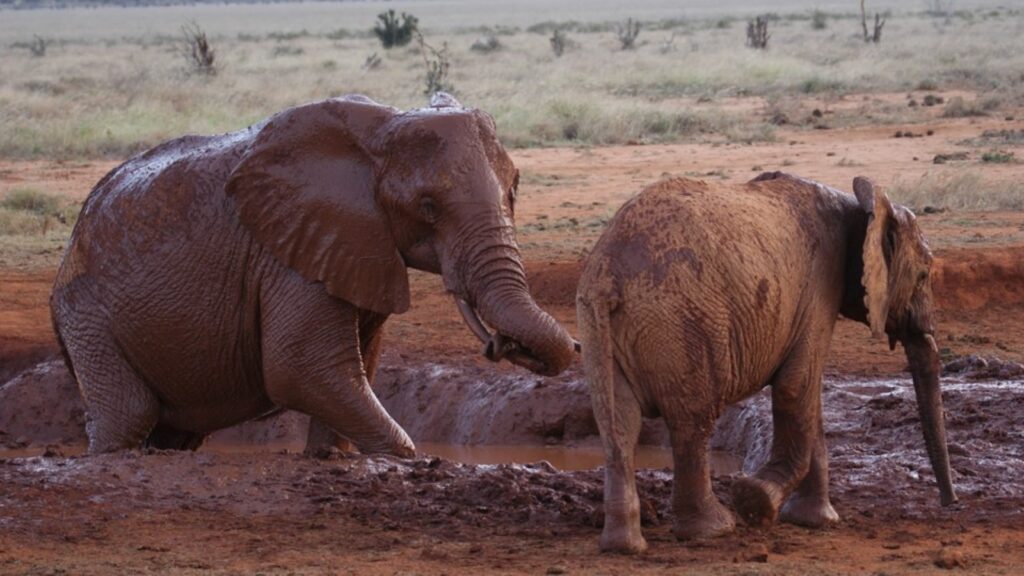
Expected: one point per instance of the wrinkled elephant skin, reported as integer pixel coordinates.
(699, 295)
(215, 279)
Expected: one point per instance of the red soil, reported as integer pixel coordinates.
(283, 513)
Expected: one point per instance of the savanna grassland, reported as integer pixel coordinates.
(114, 81)
(110, 91)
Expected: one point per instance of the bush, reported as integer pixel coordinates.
(997, 157)
(31, 200)
(757, 33)
(198, 51)
(437, 64)
(627, 32)
(819, 20)
(486, 44)
(391, 33)
(958, 108)
(559, 41)
(28, 212)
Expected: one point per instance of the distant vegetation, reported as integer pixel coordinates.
(559, 82)
(392, 32)
(30, 212)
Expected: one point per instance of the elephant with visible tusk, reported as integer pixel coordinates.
(212, 280)
(699, 295)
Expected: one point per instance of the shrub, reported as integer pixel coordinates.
(876, 35)
(391, 33)
(627, 33)
(819, 20)
(958, 108)
(198, 51)
(437, 64)
(372, 62)
(485, 44)
(30, 200)
(997, 157)
(757, 33)
(286, 50)
(27, 212)
(559, 41)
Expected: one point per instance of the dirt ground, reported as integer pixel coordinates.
(281, 513)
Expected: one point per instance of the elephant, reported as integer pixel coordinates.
(699, 295)
(215, 279)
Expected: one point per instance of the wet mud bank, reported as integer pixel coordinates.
(275, 511)
(872, 426)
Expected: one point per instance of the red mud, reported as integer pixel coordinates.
(276, 512)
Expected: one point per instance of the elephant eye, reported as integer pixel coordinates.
(428, 209)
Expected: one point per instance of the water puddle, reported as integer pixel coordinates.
(566, 457)
(561, 457)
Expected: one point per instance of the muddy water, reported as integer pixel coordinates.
(560, 457)
(566, 457)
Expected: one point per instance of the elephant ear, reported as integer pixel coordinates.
(305, 189)
(877, 252)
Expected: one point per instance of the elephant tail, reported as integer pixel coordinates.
(594, 322)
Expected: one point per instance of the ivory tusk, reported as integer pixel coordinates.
(469, 316)
(497, 347)
(931, 342)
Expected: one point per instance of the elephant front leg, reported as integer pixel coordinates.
(321, 438)
(313, 363)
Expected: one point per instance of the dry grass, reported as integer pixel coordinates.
(29, 212)
(100, 93)
(958, 190)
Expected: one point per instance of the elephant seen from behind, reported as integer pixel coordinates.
(698, 295)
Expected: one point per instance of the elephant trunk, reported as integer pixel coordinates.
(523, 333)
(923, 357)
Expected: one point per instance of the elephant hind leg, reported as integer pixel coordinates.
(698, 513)
(618, 414)
(620, 424)
(121, 408)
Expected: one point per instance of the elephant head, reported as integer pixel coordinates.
(349, 193)
(898, 298)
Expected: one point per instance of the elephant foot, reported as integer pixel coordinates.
(622, 539)
(401, 450)
(323, 443)
(757, 501)
(809, 511)
(715, 520)
(621, 533)
(397, 444)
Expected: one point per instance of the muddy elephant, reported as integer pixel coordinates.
(698, 295)
(215, 279)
